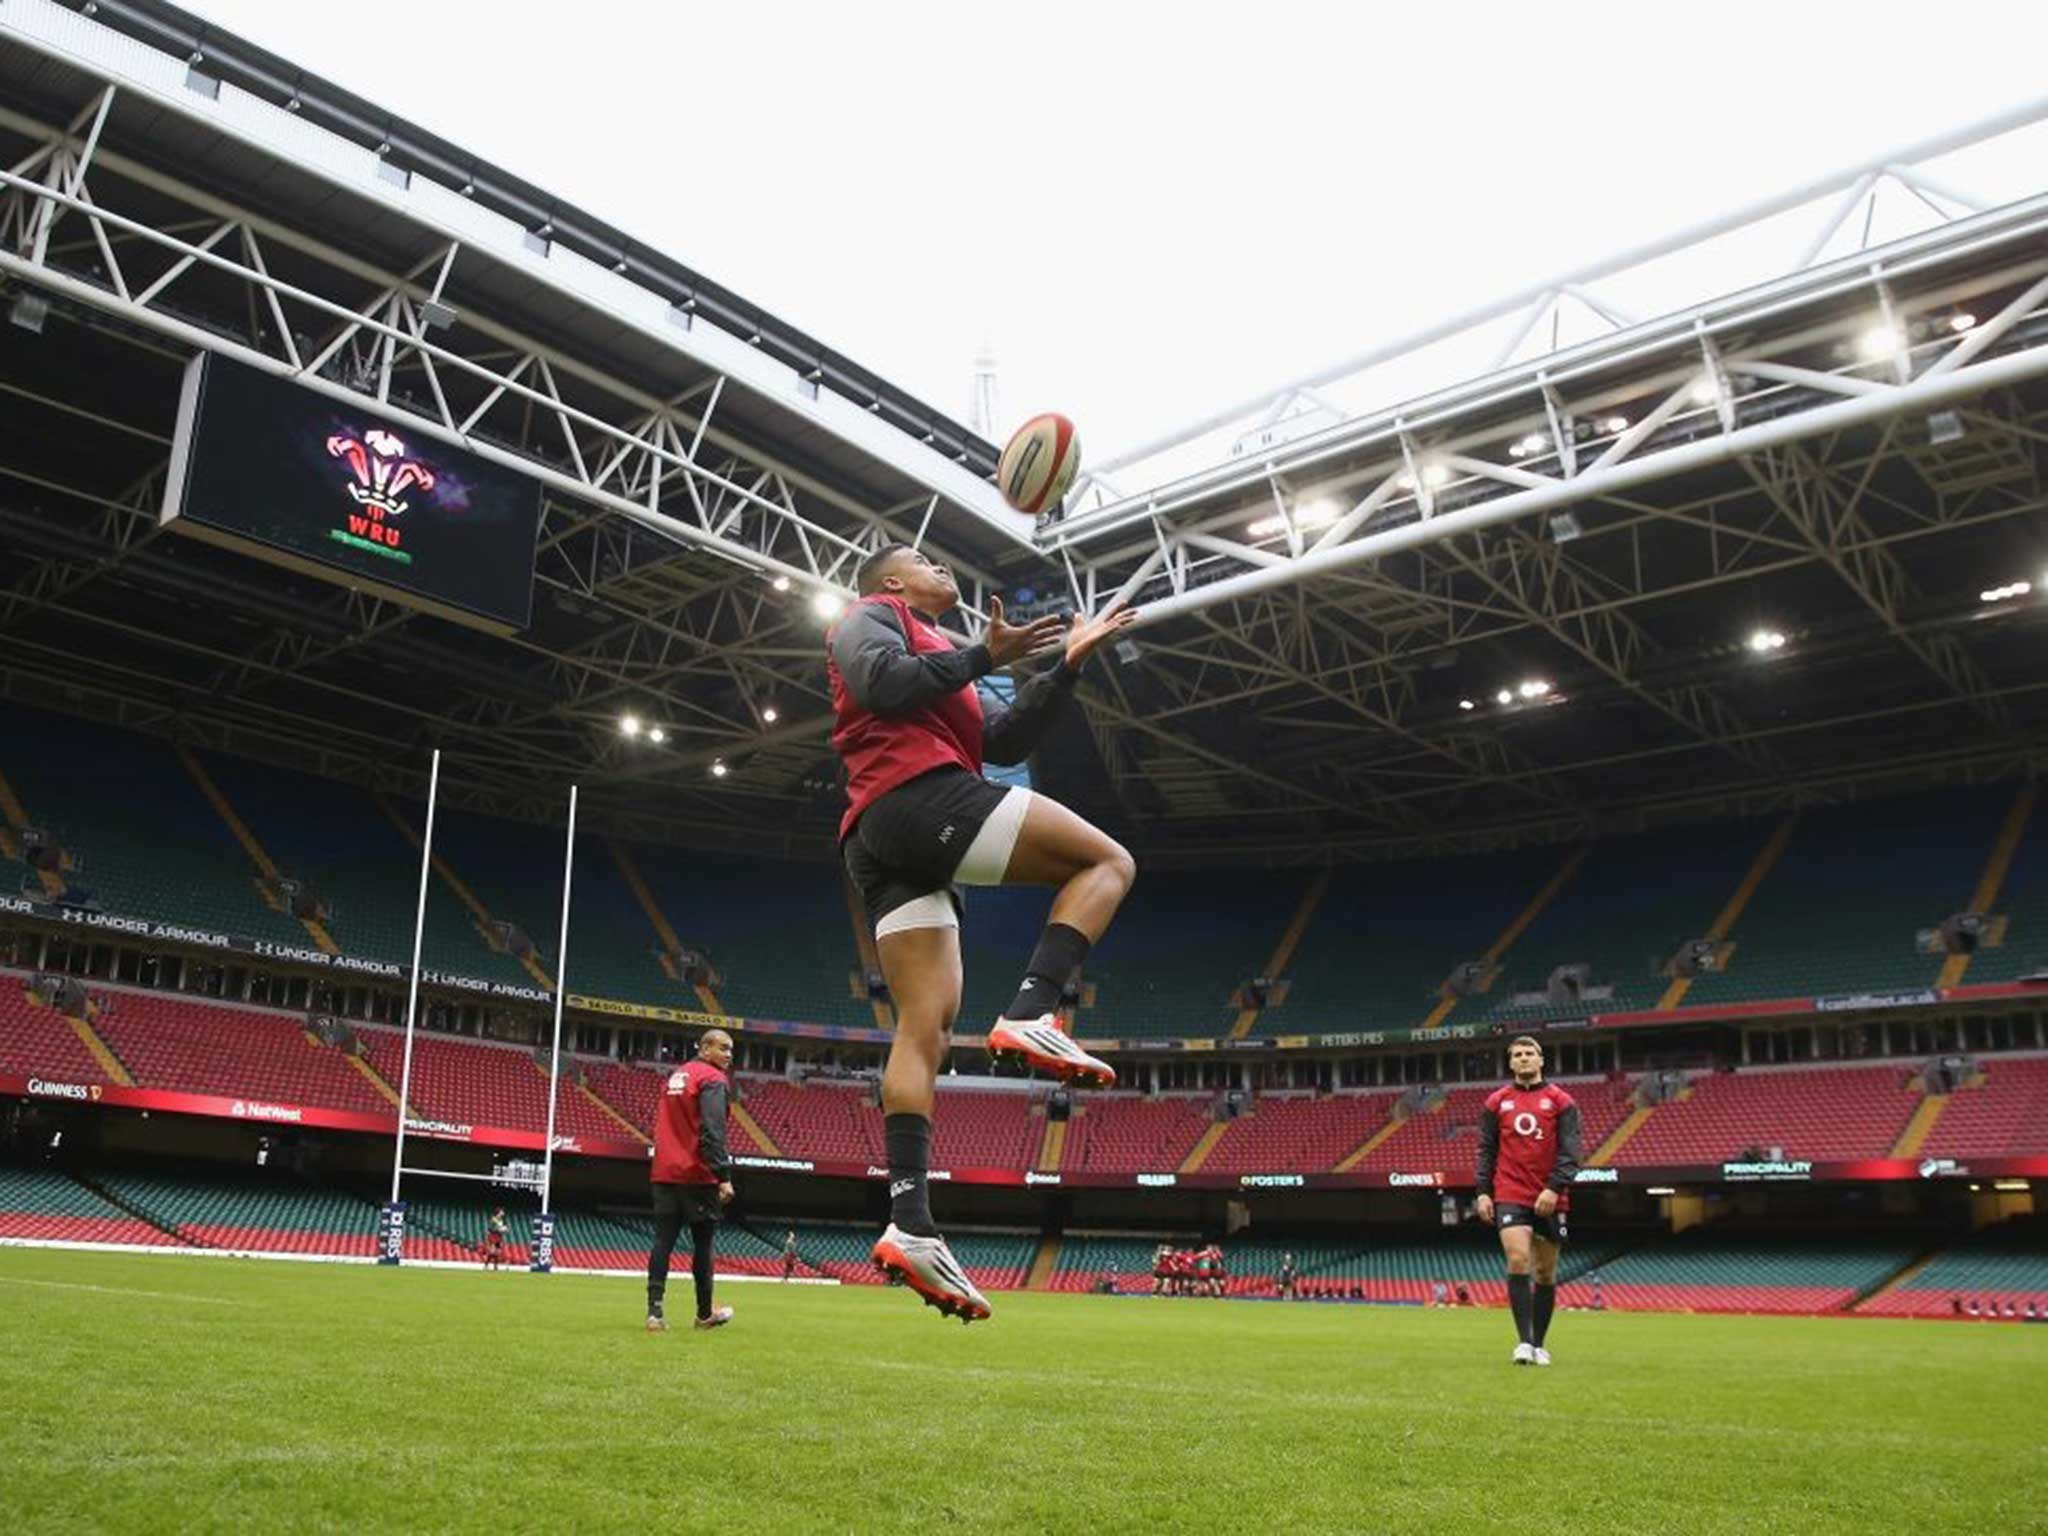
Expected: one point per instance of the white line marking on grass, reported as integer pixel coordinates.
(123, 1290)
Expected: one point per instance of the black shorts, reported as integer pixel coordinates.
(910, 842)
(1551, 1226)
(692, 1202)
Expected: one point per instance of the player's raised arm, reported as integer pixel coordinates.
(886, 677)
(1013, 734)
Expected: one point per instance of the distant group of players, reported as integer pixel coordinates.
(912, 731)
(1189, 1271)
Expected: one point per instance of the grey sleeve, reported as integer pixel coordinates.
(711, 1131)
(1570, 1150)
(885, 676)
(1489, 1152)
(1009, 735)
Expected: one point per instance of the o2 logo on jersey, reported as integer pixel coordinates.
(1528, 1125)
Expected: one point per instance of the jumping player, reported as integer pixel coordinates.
(913, 733)
(692, 1175)
(1529, 1151)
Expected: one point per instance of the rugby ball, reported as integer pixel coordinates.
(1039, 465)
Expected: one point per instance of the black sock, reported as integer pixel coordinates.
(1059, 955)
(1518, 1303)
(909, 1140)
(666, 1229)
(703, 1260)
(1544, 1302)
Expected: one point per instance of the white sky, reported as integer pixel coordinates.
(1151, 210)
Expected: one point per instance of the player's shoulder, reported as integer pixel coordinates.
(1500, 1094)
(1560, 1098)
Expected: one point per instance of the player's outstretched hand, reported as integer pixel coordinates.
(1483, 1209)
(1546, 1202)
(1015, 642)
(725, 1193)
(1086, 634)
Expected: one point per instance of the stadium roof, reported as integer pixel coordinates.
(1833, 456)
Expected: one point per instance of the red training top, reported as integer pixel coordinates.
(886, 747)
(1528, 1142)
(689, 1127)
(906, 702)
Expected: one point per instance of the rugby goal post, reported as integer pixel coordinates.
(391, 1219)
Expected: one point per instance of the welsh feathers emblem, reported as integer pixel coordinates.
(383, 474)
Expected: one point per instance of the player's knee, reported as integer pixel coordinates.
(1121, 867)
(1518, 1264)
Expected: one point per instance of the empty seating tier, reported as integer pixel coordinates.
(147, 842)
(1119, 1134)
(1823, 1113)
(46, 1205)
(40, 1042)
(2002, 1269)
(1702, 1271)
(2005, 1115)
(175, 1042)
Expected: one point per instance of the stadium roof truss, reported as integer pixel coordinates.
(702, 490)
(1328, 610)
(1839, 416)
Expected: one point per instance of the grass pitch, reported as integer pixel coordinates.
(174, 1393)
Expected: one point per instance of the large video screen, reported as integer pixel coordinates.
(325, 486)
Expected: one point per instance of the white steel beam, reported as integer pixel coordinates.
(1537, 297)
(1928, 392)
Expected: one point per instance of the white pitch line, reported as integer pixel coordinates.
(123, 1290)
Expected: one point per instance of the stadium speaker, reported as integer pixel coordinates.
(39, 850)
(1060, 1106)
(1468, 977)
(1567, 983)
(1695, 957)
(511, 939)
(1235, 1104)
(29, 311)
(1962, 932)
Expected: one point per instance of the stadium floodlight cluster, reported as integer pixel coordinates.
(1639, 401)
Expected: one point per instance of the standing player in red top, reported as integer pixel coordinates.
(692, 1175)
(913, 734)
(1529, 1154)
